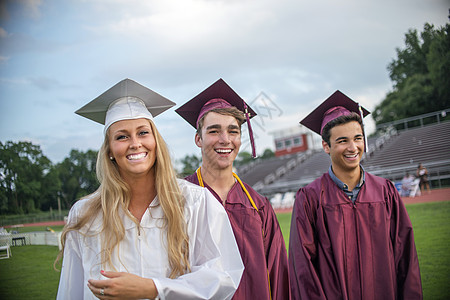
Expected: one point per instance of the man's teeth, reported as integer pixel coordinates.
(223, 150)
(351, 156)
(136, 156)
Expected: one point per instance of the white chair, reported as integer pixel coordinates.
(5, 242)
(7, 251)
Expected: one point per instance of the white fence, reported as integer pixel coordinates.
(32, 238)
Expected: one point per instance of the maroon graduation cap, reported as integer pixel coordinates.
(338, 104)
(217, 95)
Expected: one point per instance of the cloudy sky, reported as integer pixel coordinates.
(283, 56)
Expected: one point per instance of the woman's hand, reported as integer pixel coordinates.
(121, 285)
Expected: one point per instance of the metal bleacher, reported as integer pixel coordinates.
(429, 145)
(311, 168)
(264, 172)
(257, 171)
(421, 144)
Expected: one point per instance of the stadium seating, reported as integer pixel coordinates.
(422, 144)
(264, 172)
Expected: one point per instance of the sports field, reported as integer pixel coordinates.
(29, 273)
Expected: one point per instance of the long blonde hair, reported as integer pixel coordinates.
(114, 193)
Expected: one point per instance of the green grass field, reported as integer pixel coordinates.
(29, 273)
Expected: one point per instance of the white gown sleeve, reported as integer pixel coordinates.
(216, 265)
(71, 282)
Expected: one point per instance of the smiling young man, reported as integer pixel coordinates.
(218, 113)
(351, 237)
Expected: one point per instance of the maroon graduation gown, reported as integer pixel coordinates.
(260, 243)
(341, 250)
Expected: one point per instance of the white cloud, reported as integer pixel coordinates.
(29, 8)
(297, 52)
(32, 7)
(3, 33)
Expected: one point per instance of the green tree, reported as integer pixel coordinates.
(52, 189)
(267, 154)
(243, 158)
(77, 176)
(190, 163)
(23, 169)
(438, 61)
(419, 74)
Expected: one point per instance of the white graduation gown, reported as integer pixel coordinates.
(216, 265)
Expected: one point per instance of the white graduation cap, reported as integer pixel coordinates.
(125, 101)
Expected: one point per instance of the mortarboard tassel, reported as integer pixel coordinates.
(366, 146)
(250, 131)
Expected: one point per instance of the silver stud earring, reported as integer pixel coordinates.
(111, 158)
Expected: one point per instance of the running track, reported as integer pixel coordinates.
(434, 196)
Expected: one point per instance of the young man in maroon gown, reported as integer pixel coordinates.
(351, 237)
(217, 113)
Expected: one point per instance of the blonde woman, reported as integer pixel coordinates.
(144, 233)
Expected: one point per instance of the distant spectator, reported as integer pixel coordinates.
(422, 174)
(407, 182)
